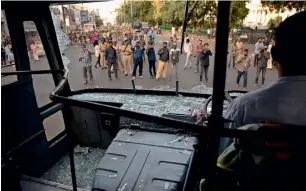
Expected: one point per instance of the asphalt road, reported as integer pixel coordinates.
(43, 84)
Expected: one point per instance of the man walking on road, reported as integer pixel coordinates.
(198, 54)
(188, 50)
(263, 58)
(163, 61)
(258, 47)
(139, 59)
(111, 59)
(243, 64)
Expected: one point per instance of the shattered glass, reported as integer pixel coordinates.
(62, 38)
(157, 105)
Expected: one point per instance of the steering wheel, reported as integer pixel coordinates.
(227, 100)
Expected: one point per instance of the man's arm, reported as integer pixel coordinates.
(239, 59)
(235, 114)
(106, 53)
(209, 53)
(267, 55)
(160, 51)
(248, 62)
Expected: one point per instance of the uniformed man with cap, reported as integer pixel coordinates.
(127, 57)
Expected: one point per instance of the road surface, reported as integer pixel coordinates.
(43, 84)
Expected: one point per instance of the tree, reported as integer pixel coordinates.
(274, 22)
(173, 13)
(99, 21)
(142, 10)
(238, 13)
(281, 6)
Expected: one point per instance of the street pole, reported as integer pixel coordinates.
(184, 25)
(131, 3)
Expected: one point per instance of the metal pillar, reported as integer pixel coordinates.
(216, 119)
(131, 3)
(184, 25)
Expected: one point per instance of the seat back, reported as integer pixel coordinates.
(272, 165)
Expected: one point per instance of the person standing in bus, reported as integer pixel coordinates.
(102, 47)
(34, 51)
(127, 57)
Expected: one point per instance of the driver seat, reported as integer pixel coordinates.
(258, 164)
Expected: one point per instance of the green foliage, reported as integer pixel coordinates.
(274, 22)
(143, 10)
(238, 13)
(281, 6)
(172, 13)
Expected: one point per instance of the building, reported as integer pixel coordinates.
(259, 16)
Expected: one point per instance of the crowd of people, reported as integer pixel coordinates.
(239, 58)
(7, 56)
(130, 56)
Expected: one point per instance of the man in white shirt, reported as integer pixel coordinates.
(188, 50)
(208, 33)
(258, 47)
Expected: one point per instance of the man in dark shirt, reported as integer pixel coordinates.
(204, 61)
(111, 58)
(151, 58)
(142, 42)
(138, 60)
(163, 61)
(263, 58)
